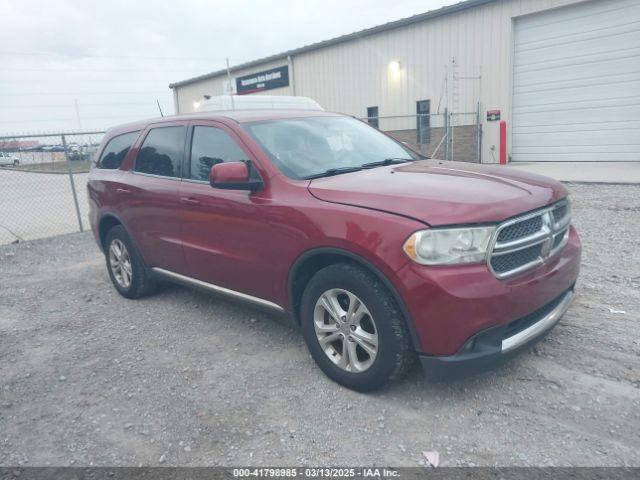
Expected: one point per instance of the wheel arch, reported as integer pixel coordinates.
(107, 222)
(311, 261)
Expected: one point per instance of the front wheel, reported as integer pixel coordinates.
(354, 328)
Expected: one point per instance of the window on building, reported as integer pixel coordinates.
(372, 116)
(210, 146)
(161, 152)
(423, 121)
(116, 150)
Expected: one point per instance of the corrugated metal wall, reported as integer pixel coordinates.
(351, 76)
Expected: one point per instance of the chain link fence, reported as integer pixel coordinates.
(43, 182)
(445, 136)
(43, 178)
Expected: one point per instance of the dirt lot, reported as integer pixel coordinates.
(182, 378)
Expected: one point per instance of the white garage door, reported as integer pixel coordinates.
(576, 88)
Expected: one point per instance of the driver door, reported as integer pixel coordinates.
(223, 229)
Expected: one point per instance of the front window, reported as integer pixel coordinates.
(318, 146)
(210, 146)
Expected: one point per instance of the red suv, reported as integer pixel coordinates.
(380, 254)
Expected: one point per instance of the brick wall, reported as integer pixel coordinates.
(464, 142)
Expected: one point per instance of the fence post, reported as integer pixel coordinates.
(478, 135)
(73, 185)
(446, 134)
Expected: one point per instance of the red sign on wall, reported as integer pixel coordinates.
(493, 115)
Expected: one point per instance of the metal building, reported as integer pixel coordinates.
(563, 74)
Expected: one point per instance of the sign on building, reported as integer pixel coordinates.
(493, 115)
(266, 80)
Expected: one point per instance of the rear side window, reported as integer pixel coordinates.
(161, 152)
(116, 150)
(210, 146)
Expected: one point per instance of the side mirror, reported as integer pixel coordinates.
(234, 176)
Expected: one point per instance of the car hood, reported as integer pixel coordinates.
(441, 193)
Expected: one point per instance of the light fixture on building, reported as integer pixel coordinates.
(196, 105)
(394, 66)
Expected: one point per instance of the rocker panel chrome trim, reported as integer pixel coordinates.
(217, 289)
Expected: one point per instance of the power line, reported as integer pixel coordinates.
(87, 105)
(144, 92)
(70, 119)
(74, 69)
(66, 80)
(132, 57)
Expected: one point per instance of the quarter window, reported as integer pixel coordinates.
(116, 150)
(161, 152)
(210, 146)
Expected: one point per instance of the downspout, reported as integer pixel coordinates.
(292, 79)
(176, 107)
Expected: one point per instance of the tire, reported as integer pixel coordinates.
(134, 281)
(377, 362)
(16, 163)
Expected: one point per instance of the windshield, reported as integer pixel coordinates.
(318, 146)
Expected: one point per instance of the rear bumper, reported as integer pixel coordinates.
(493, 346)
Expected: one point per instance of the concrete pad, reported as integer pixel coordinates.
(588, 172)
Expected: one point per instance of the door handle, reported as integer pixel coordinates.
(190, 201)
(122, 190)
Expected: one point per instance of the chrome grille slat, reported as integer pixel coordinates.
(516, 259)
(530, 240)
(521, 243)
(520, 229)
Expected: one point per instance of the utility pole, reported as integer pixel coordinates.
(230, 86)
(78, 114)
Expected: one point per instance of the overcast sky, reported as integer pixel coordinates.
(116, 58)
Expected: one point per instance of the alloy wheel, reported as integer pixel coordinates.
(345, 330)
(120, 263)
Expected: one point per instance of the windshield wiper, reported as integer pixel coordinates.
(333, 171)
(386, 161)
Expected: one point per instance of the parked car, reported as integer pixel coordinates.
(52, 148)
(7, 159)
(381, 255)
(79, 156)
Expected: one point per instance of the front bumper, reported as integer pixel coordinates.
(449, 305)
(495, 345)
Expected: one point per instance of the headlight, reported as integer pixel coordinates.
(445, 246)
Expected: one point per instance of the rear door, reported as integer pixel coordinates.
(153, 208)
(224, 231)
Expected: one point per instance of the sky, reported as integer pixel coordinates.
(71, 65)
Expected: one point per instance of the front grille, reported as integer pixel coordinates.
(529, 240)
(520, 229)
(511, 261)
(560, 212)
(559, 238)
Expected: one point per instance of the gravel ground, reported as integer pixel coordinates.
(182, 378)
